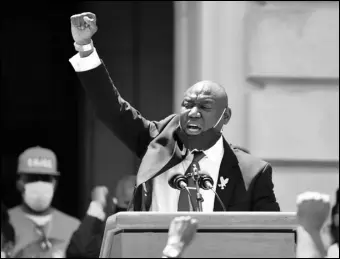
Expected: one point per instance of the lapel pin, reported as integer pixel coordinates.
(223, 182)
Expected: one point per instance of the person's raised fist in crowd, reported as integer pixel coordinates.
(181, 233)
(313, 210)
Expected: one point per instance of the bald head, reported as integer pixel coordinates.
(124, 190)
(204, 104)
(209, 88)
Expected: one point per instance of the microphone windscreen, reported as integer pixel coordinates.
(172, 181)
(176, 181)
(206, 182)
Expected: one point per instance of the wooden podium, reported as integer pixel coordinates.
(220, 234)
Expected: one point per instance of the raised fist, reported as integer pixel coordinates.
(99, 194)
(312, 210)
(83, 26)
(181, 232)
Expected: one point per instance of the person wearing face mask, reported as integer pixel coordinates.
(86, 241)
(176, 145)
(41, 230)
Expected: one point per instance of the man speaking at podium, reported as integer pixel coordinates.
(178, 149)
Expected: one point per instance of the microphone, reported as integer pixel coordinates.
(207, 183)
(178, 182)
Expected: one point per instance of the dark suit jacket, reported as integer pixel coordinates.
(250, 186)
(87, 239)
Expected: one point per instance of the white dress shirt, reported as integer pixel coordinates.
(87, 63)
(96, 210)
(165, 198)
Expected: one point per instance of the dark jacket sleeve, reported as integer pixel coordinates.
(263, 197)
(87, 239)
(117, 114)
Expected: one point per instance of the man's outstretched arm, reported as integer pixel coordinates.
(116, 113)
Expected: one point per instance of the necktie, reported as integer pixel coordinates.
(183, 202)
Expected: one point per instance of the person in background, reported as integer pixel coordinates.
(313, 209)
(333, 251)
(41, 230)
(7, 234)
(86, 241)
(124, 193)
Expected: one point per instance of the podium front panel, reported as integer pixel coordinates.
(210, 245)
(221, 235)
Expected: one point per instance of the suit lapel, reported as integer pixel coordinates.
(163, 153)
(229, 169)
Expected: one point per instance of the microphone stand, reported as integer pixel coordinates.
(199, 196)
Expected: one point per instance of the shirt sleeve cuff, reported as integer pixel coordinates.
(87, 63)
(96, 210)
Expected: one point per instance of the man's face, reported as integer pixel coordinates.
(37, 190)
(202, 107)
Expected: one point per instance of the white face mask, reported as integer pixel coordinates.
(38, 195)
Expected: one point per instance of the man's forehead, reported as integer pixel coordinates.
(208, 88)
(206, 91)
(199, 96)
(203, 95)
(202, 87)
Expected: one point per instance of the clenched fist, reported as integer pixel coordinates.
(83, 26)
(181, 233)
(312, 210)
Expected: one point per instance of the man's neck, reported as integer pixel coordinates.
(29, 211)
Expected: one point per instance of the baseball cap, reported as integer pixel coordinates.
(38, 160)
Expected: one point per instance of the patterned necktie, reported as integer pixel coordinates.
(183, 202)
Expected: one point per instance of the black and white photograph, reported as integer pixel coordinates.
(170, 129)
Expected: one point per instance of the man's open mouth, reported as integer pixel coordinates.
(193, 129)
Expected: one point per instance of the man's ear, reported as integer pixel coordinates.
(226, 116)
